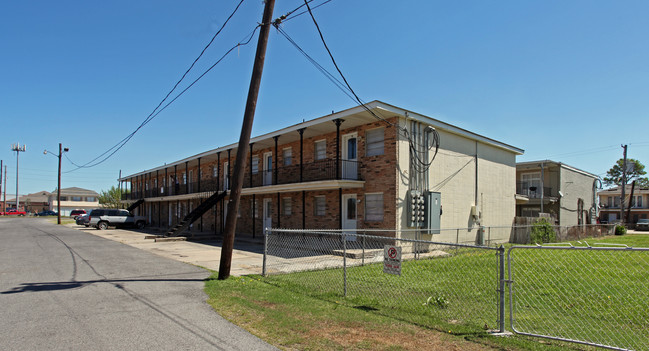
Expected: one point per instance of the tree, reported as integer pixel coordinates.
(635, 171)
(112, 198)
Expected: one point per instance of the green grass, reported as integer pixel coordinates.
(293, 320)
(596, 295)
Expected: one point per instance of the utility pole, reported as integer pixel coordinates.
(623, 186)
(18, 149)
(58, 188)
(1, 161)
(244, 140)
(4, 202)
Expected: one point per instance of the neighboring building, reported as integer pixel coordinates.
(36, 202)
(347, 170)
(610, 202)
(567, 193)
(74, 199)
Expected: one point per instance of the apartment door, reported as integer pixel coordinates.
(350, 156)
(268, 168)
(169, 212)
(531, 183)
(268, 213)
(349, 216)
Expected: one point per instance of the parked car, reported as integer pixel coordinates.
(103, 218)
(15, 212)
(642, 224)
(47, 213)
(76, 213)
(83, 219)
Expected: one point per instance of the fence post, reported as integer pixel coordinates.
(501, 289)
(344, 237)
(363, 257)
(263, 269)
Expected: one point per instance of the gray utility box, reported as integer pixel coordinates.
(425, 210)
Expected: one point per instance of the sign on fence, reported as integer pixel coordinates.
(392, 259)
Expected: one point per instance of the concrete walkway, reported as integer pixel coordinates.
(247, 256)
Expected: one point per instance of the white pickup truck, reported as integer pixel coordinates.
(101, 218)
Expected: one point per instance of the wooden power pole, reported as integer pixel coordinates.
(622, 202)
(244, 141)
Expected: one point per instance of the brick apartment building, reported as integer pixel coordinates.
(346, 170)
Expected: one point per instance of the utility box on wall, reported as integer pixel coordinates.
(433, 211)
(425, 210)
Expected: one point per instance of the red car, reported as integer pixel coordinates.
(14, 212)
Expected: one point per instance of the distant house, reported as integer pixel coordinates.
(610, 204)
(35, 202)
(74, 199)
(565, 192)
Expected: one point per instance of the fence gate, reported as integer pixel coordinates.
(596, 296)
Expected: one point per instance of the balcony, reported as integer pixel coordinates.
(533, 191)
(308, 172)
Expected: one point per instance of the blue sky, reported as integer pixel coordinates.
(563, 80)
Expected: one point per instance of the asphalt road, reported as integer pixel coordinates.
(63, 289)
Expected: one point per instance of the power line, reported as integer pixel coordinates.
(153, 113)
(419, 165)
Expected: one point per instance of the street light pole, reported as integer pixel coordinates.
(58, 188)
(18, 148)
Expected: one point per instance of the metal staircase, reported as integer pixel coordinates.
(135, 205)
(196, 214)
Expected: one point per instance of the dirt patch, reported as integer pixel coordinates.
(358, 337)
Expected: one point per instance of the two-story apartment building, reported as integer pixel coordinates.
(73, 199)
(567, 193)
(347, 170)
(610, 204)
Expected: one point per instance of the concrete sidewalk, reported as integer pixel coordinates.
(247, 256)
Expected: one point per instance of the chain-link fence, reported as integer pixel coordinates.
(445, 285)
(592, 295)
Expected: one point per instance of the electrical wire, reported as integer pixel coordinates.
(123, 142)
(153, 113)
(303, 12)
(420, 165)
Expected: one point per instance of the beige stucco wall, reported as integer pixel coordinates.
(68, 206)
(453, 174)
(574, 185)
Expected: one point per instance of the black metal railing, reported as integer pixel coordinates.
(533, 191)
(308, 172)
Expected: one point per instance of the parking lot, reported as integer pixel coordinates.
(246, 258)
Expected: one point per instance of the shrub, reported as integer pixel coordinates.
(542, 232)
(620, 229)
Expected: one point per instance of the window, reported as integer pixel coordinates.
(374, 207)
(320, 150)
(287, 206)
(616, 201)
(76, 198)
(184, 178)
(64, 198)
(320, 205)
(215, 171)
(374, 141)
(255, 165)
(91, 199)
(287, 156)
(636, 201)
